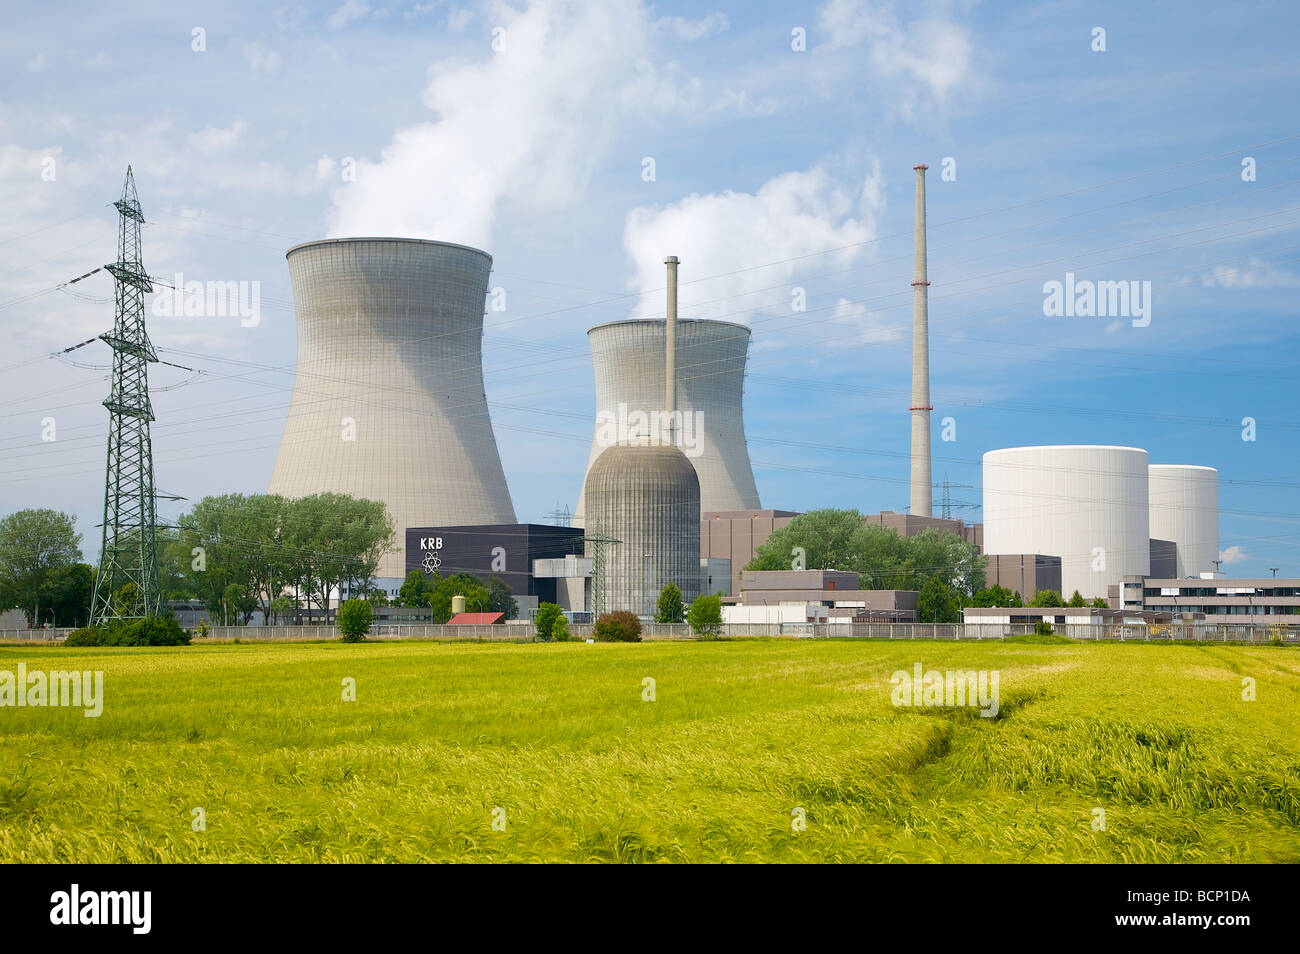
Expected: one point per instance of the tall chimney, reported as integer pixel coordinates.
(921, 503)
(670, 363)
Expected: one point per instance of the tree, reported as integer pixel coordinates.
(560, 629)
(1077, 600)
(281, 605)
(840, 540)
(67, 594)
(1100, 603)
(1016, 600)
(354, 620)
(34, 545)
(618, 627)
(994, 596)
(376, 597)
(705, 615)
(544, 620)
(500, 599)
(1049, 598)
(670, 609)
(415, 589)
(937, 603)
(238, 604)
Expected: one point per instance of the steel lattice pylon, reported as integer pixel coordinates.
(129, 551)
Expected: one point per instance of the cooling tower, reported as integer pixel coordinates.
(1185, 509)
(388, 399)
(648, 499)
(630, 365)
(1086, 504)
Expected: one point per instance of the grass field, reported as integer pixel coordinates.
(740, 735)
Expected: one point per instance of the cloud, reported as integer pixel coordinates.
(350, 11)
(458, 18)
(692, 30)
(782, 225)
(1233, 554)
(1255, 275)
(526, 125)
(217, 139)
(926, 56)
(864, 327)
(261, 58)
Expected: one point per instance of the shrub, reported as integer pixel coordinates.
(1043, 627)
(618, 627)
(86, 636)
(354, 620)
(544, 620)
(560, 629)
(705, 615)
(149, 631)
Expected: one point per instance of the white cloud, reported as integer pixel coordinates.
(783, 224)
(1233, 554)
(261, 58)
(458, 18)
(527, 125)
(350, 11)
(926, 56)
(863, 326)
(216, 138)
(1255, 275)
(692, 30)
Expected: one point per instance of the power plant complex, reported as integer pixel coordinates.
(388, 404)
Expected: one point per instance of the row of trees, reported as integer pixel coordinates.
(490, 596)
(840, 540)
(237, 553)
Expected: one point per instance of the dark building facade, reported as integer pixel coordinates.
(504, 550)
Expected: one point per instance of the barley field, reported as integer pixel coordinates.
(749, 750)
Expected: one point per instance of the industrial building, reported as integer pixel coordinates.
(1257, 600)
(508, 551)
(831, 594)
(1087, 504)
(388, 401)
(1184, 501)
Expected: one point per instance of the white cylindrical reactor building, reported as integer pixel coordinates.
(647, 499)
(630, 366)
(1185, 509)
(1086, 504)
(388, 401)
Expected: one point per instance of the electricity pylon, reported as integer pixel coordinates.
(127, 584)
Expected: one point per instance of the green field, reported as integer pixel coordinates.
(740, 735)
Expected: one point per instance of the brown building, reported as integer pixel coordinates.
(1024, 573)
(735, 534)
(835, 589)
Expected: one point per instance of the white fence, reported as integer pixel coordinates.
(524, 632)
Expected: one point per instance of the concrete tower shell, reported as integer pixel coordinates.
(648, 498)
(1086, 504)
(1184, 501)
(388, 399)
(630, 367)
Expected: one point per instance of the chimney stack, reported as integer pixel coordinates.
(670, 363)
(921, 499)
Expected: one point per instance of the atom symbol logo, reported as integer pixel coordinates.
(430, 563)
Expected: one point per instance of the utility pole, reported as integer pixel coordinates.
(129, 551)
(1217, 564)
(1274, 570)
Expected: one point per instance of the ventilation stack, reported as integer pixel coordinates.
(922, 489)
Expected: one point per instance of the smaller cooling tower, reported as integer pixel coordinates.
(629, 359)
(1185, 509)
(648, 498)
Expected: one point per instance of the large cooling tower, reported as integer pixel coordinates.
(648, 499)
(1185, 509)
(388, 399)
(1086, 504)
(630, 365)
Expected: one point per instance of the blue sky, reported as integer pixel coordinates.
(1116, 165)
